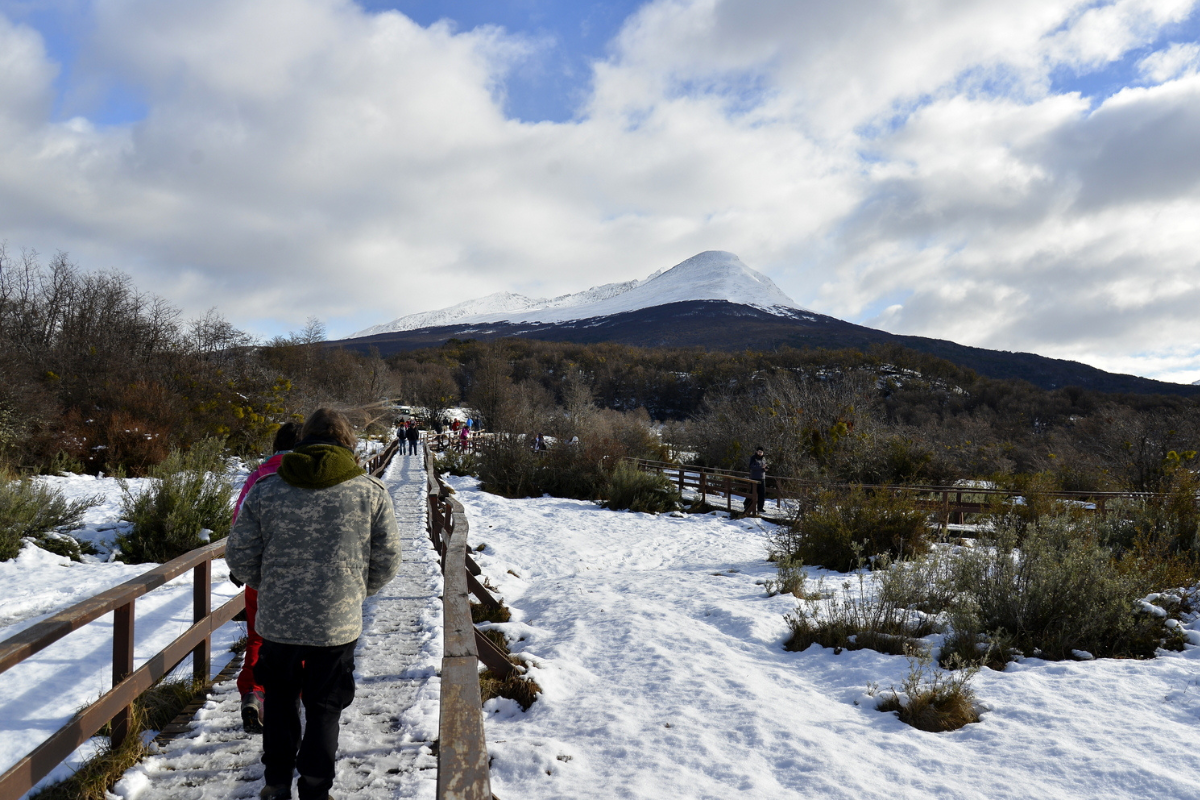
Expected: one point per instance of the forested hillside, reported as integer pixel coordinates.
(886, 415)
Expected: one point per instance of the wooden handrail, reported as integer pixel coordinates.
(36, 638)
(462, 748)
(128, 683)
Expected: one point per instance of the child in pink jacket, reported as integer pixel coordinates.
(252, 693)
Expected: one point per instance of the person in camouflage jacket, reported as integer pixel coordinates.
(315, 540)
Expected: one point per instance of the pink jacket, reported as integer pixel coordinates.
(268, 467)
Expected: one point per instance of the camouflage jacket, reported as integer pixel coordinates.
(314, 555)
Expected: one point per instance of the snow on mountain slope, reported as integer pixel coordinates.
(492, 303)
(711, 275)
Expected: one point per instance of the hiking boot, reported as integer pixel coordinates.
(310, 789)
(281, 792)
(252, 715)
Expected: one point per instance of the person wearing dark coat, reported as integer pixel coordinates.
(758, 474)
(315, 539)
(413, 435)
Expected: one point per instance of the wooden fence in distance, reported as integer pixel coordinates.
(127, 683)
(705, 481)
(951, 504)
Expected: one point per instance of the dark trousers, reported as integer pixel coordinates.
(324, 677)
(412, 447)
(762, 494)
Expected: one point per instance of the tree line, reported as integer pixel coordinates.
(886, 415)
(97, 375)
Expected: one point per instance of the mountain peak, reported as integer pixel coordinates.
(711, 275)
(719, 275)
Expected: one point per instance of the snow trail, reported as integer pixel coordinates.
(384, 748)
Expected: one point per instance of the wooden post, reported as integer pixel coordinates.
(201, 607)
(681, 480)
(728, 495)
(122, 666)
(703, 487)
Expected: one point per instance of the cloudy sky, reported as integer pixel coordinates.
(1020, 175)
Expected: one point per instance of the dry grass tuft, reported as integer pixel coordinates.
(151, 712)
(482, 613)
(933, 700)
(515, 687)
(856, 619)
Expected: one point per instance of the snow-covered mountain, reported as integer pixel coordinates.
(711, 275)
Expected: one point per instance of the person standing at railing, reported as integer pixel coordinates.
(315, 539)
(758, 474)
(250, 690)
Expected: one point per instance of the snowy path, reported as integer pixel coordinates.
(384, 750)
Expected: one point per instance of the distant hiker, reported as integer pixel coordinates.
(316, 539)
(464, 437)
(413, 435)
(539, 443)
(250, 690)
(454, 425)
(758, 473)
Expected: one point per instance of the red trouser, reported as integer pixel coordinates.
(245, 681)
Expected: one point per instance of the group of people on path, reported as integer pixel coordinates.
(313, 537)
(409, 432)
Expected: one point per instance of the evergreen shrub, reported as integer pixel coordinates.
(189, 492)
(458, 463)
(507, 466)
(838, 529)
(34, 510)
(631, 488)
(1054, 590)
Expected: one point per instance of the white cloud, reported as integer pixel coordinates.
(1164, 65)
(304, 157)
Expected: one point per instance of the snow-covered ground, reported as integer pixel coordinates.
(663, 672)
(660, 656)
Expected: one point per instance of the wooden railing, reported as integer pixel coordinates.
(706, 481)
(377, 463)
(462, 749)
(951, 503)
(441, 442)
(127, 683)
